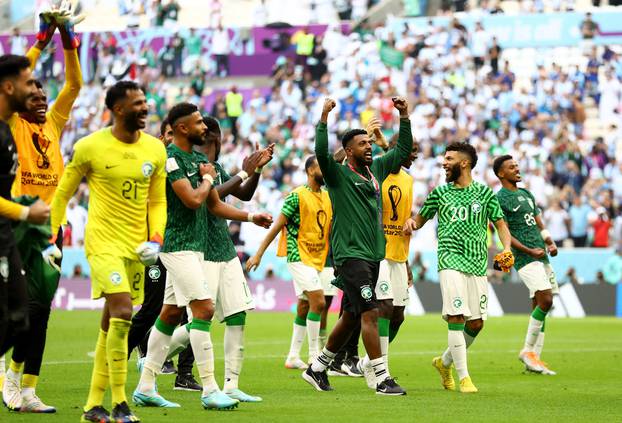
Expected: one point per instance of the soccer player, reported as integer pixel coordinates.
(37, 136)
(189, 185)
(464, 208)
(233, 298)
(304, 224)
(357, 239)
(17, 85)
(124, 168)
(142, 322)
(531, 242)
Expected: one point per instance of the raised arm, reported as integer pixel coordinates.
(392, 160)
(254, 262)
(328, 165)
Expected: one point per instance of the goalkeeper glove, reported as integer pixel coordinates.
(504, 261)
(148, 252)
(51, 254)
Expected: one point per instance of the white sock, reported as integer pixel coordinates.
(298, 337)
(533, 332)
(234, 356)
(28, 392)
(446, 357)
(322, 338)
(384, 350)
(157, 350)
(539, 344)
(380, 369)
(179, 341)
(323, 360)
(203, 350)
(457, 347)
(313, 337)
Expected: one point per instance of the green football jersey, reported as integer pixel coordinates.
(291, 210)
(218, 246)
(520, 211)
(463, 215)
(186, 228)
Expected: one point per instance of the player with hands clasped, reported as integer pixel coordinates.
(464, 208)
(531, 244)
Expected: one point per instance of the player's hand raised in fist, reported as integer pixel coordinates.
(262, 219)
(552, 249)
(207, 169)
(401, 104)
(537, 253)
(329, 105)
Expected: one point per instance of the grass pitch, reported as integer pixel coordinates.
(586, 354)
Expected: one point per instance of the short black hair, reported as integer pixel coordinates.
(464, 148)
(12, 65)
(498, 163)
(119, 91)
(163, 126)
(311, 160)
(350, 135)
(179, 111)
(213, 126)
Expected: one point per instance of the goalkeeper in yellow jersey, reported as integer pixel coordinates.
(37, 137)
(124, 168)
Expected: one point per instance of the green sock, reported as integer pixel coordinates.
(383, 326)
(538, 314)
(300, 321)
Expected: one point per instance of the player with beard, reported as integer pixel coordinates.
(142, 322)
(304, 224)
(189, 185)
(393, 277)
(17, 85)
(464, 208)
(357, 239)
(233, 297)
(37, 136)
(531, 242)
(125, 171)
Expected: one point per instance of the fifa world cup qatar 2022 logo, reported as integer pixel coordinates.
(321, 218)
(395, 196)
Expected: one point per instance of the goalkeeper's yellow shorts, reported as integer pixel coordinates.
(113, 275)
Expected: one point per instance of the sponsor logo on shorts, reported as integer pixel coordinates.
(366, 292)
(384, 287)
(147, 169)
(115, 278)
(154, 272)
(483, 300)
(457, 302)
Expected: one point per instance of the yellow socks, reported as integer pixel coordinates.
(99, 377)
(116, 353)
(16, 367)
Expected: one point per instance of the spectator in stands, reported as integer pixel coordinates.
(179, 45)
(170, 13)
(558, 222)
(221, 50)
(260, 14)
(589, 28)
(601, 224)
(479, 45)
(18, 43)
(304, 41)
(234, 103)
(167, 59)
(579, 212)
(612, 270)
(494, 53)
(76, 217)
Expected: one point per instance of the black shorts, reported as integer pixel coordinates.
(13, 296)
(359, 285)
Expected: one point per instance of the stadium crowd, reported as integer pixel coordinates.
(460, 86)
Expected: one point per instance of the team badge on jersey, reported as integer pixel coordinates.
(366, 292)
(476, 207)
(154, 272)
(115, 278)
(147, 169)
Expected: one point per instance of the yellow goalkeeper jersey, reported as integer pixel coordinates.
(397, 200)
(127, 192)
